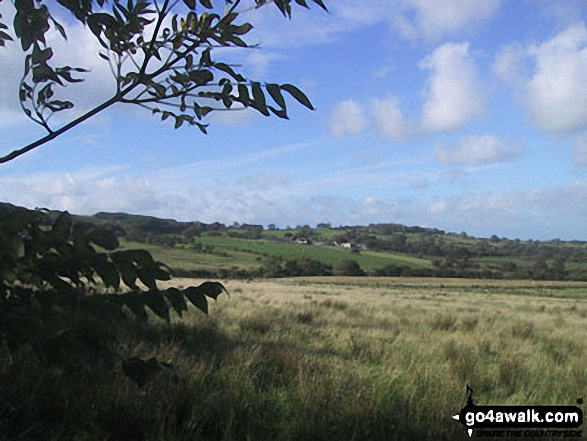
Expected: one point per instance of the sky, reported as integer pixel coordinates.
(463, 115)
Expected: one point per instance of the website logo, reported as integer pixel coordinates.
(518, 421)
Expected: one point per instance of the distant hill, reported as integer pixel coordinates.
(388, 249)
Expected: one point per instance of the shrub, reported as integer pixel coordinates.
(61, 295)
(348, 267)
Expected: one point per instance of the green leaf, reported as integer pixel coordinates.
(242, 29)
(321, 4)
(259, 102)
(107, 271)
(227, 69)
(128, 273)
(175, 299)
(41, 55)
(57, 105)
(136, 303)
(147, 277)
(275, 92)
(197, 298)
(156, 302)
(142, 257)
(4, 36)
(298, 95)
(190, 4)
(62, 226)
(213, 289)
(103, 238)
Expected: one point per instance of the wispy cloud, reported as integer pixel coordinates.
(433, 20)
(348, 118)
(477, 150)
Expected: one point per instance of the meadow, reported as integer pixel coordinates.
(322, 359)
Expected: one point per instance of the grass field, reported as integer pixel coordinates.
(249, 254)
(325, 359)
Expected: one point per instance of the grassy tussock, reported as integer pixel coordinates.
(321, 359)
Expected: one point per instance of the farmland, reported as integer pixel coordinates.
(321, 358)
(241, 251)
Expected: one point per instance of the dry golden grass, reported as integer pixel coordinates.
(342, 359)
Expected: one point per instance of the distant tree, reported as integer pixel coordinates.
(305, 231)
(559, 268)
(348, 267)
(254, 231)
(509, 267)
(160, 53)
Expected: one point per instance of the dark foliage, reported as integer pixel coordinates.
(61, 292)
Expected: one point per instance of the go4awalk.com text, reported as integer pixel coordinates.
(520, 421)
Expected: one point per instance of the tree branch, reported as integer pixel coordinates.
(16, 153)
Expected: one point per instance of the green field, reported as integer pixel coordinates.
(322, 359)
(249, 254)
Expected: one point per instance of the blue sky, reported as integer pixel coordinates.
(465, 115)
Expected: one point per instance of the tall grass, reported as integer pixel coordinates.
(318, 360)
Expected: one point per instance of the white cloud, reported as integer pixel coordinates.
(434, 19)
(556, 95)
(413, 19)
(476, 150)
(348, 118)
(454, 94)
(389, 118)
(80, 50)
(543, 213)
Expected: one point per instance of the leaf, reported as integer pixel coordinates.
(197, 298)
(147, 277)
(298, 95)
(142, 257)
(243, 95)
(4, 36)
(41, 55)
(43, 72)
(156, 302)
(136, 304)
(190, 4)
(237, 41)
(128, 272)
(107, 271)
(59, 28)
(45, 93)
(103, 238)
(242, 29)
(321, 4)
(213, 289)
(227, 69)
(275, 92)
(175, 299)
(62, 226)
(259, 102)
